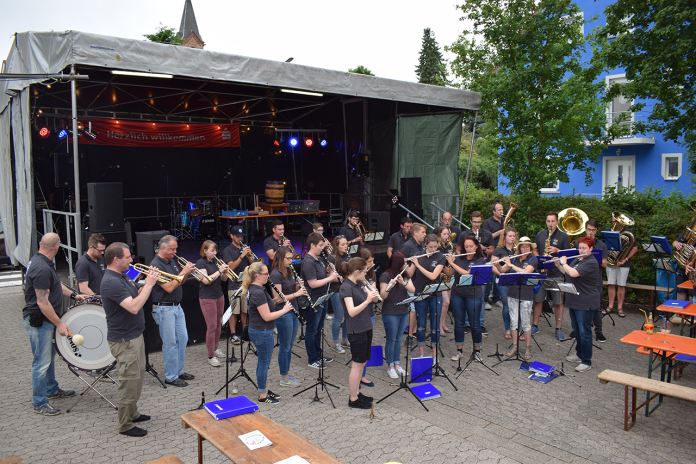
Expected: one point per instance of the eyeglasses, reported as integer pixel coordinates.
(321, 231)
(590, 230)
(477, 222)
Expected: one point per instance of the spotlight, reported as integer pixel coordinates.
(44, 132)
(309, 142)
(276, 143)
(293, 142)
(323, 142)
(90, 135)
(62, 134)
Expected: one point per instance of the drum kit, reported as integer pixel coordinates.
(195, 220)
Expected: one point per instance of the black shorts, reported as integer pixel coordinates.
(360, 346)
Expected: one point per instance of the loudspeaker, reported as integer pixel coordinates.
(363, 163)
(148, 244)
(111, 237)
(378, 221)
(105, 206)
(63, 171)
(411, 193)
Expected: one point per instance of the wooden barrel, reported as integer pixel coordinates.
(275, 191)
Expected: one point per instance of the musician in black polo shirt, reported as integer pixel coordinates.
(238, 259)
(125, 321)
(494, 225)
(350, 230)
(414, 246)
(317, 278)
(591, 228)
(211, 299)
(168, 314)
(275, 240)
(397, 239)
(90, 267)
(447, 222)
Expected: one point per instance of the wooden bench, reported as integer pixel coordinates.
(648, 288)
(167, 460)
(12, 460)
(650, 385)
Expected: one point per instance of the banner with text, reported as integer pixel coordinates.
(161, 134)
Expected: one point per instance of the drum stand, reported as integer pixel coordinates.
(90, 386)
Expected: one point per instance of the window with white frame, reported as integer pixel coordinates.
(619, 107)
(579, 18)
(552, 187)
(671, 166)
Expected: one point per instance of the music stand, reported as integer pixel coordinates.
(402, 381)
(353, 249)
(428, 291)
(660, 247)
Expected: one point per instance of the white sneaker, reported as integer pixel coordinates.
(338, 348)
(488, 306)
(214, 361)
(329, 317)
(457, 356)
(582, 367)
(400, 370)
(219, 353)
(574, 358)
(392, 373)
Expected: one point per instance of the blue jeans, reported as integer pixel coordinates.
(172, 329)
(503, 291)
(338, 318)
(432, 305)
(582, 325)
(487, 292)
(482, 314)
(313, 333)
(461, 307)
(43, 372)
(287, 329)
(263, 341)
(394, 329)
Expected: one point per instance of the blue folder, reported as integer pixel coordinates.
(426, 391)
(420, 365)
(229, 407)
(376, 357)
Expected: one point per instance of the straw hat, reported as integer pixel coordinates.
(522, 241)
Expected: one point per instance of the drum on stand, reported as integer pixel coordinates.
(204, 227)
(185, 219)
(194, 208)
(88, 319)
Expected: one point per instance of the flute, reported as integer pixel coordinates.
(460, 254)
(371, 288)
(302, 285)
(513, 256)
(392, 282)
(567, 257)
(282, 297)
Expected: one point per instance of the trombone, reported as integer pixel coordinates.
(164, 277)
(295, 254)
(196, 273)
(229, 273)
(252, 255)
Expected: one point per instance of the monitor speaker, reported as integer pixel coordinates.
(148, 244)
(105, 206)
(411, 193)
(378, 221)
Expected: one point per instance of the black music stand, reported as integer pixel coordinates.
(478, 275)
(148, 367)
(241, 372)
(403, 385)
(660, 247)
(543, 265)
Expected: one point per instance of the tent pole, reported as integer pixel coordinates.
(294, 173)
(345, 142)
(76, 165)
(468, 167)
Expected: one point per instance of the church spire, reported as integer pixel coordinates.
(188, 30)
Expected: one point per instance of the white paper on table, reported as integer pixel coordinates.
(255, 439)
(293, 460)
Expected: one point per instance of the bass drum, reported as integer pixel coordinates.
(204, 228)
(88, 319)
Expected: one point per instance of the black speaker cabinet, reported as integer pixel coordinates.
(105, 206)
(378, 221)
(111, 237)
(63, 170)
(411, 193)
(148, 244)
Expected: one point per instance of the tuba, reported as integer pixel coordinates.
(684, 255)
(508, 218)
(627, 238)
(571, 221)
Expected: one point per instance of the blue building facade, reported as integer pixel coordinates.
(639, 160)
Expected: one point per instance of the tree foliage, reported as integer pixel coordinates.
(165, 35)
(654, 41)
(431, 67)
(524, 57)
(361, 70)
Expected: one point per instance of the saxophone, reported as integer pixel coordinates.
(448, 244)
(547, 244)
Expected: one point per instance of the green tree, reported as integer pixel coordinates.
(431, 67)
(524, 57)
(165, 35)
(361, 70)
(654, 41)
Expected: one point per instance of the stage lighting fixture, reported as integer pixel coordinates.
(62, 134)
(293, 142)
(323, 142)
(276, 143)
(44, 132)
(302, 92)
(90, 135)
(309, 142)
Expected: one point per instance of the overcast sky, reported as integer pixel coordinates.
(383, 35)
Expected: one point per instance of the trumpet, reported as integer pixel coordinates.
(229, 273)
(252, 255)
(361, 230)
(296, 255)
(164, 277)
(282, 297)
(196, 273)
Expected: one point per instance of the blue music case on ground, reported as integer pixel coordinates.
(228, 407)
(427, 391)
(541, 368)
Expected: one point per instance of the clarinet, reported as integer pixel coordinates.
(333, 268)
(282, 297)
(306, 297)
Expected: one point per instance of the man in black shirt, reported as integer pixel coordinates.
(494, 225)
(397, 239)
(557, 241)
(168, 314)
(90, 267)
(447, 222)
(350, 230)
(43, 297)
(125, 321)
(237, 258)
(275, 241)
(414, 246)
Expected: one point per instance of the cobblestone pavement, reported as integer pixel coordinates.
(489, 419)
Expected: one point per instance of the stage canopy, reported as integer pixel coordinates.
(203, 87)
